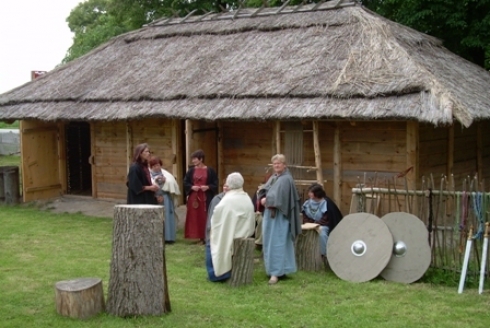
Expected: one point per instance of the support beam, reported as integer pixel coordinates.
(188, 142)
(62, 157)
(277, 132)
(177, 159)
(92, 159)
(479, 150)
(221, 161)
(129, 145)
(318, 157)
(412, 152)
(337, 166)
(450, 151)
(412, 158)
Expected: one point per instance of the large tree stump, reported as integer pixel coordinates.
(79, 298)
(308, 256)
(138, 275)
(242, 265)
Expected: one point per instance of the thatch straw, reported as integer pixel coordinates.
(345, 62)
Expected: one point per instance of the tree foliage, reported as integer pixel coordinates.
(463, 25)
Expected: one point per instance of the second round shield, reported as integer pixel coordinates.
(411, 254)
(359, 248)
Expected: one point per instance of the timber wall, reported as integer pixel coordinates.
(485, 127)
(433, 150)
(114, 143)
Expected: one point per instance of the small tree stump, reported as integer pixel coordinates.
(308, 256)
(80, 298)
(138, 275)
(242, 265)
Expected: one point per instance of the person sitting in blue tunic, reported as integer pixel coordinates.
(321, 210)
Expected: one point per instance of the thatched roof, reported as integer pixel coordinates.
(301, 63)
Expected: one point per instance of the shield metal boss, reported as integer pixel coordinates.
(411, 254)
(359, 248)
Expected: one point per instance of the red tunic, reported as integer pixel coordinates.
(195, 221)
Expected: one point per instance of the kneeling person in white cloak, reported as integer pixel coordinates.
(233, 217)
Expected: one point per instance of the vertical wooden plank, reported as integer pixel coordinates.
(188, 142)
(450, 151)
(177, 160)
(337, 166)
(221, 162)
(413, 158)
(129, 145)
(318, 157)
(92, 159)
(62, 157)
(479, 150)
(23, 160)
(277, 132)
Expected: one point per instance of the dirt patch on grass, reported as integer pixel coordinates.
(103, 208)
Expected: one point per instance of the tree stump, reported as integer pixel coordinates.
(242, 265)
(80, 298)
(138, 275)
(308, 256)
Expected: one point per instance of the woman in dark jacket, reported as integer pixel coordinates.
(140, 188)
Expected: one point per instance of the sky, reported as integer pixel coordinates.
(34, 36)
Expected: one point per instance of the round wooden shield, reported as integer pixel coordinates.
(359, 248)
(411, 254)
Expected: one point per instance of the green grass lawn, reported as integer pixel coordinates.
(39, 248)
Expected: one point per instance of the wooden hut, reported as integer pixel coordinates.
(337, 88)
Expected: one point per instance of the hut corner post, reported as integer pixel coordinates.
(138, 277)
(412, 153)
(337, 165)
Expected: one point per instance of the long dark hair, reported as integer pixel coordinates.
(137, 152)
(317, 191)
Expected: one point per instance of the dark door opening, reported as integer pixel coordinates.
(78, 168)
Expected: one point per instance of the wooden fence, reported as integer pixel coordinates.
(448, 212)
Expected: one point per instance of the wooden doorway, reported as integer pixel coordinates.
(78, 151)
(203, 135)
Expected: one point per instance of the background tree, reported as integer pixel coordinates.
(462, 25)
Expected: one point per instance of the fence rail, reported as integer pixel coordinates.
(448, 214)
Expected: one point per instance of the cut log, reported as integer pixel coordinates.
(242, 265)
(79, 298)
(138, 275)
(308, 256)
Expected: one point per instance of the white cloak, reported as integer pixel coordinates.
(233, 217)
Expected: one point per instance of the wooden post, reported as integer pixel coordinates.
(92, 159)
(80, 298)
(243, 262)
(318, 157)
(479, 151)
(221, 161)
(412, 158)
(129, 145)
(308, 256)
(337, 166)
(138, 277)
(188, 142)
(277, 136)
(176, 150)
(450, 151)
